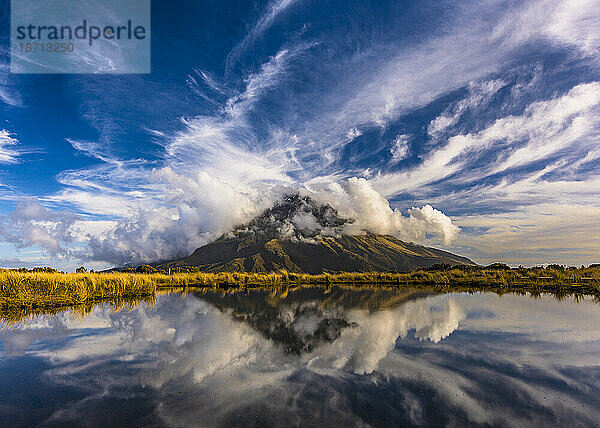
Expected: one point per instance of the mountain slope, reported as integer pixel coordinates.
(358, 253)
(300, 235)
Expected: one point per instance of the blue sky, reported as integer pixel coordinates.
(470, 126)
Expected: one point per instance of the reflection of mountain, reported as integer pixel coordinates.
(300, 235)
(301, 319)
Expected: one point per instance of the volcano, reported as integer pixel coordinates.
(300, 235)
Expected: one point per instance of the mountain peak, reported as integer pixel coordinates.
(296, 216)
(299, 234)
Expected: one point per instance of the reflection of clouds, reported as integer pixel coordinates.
(17, 340)
(439, 325)
(491, 391)
(361, 349)
(510, 364)
(567, 321)
(572, 328)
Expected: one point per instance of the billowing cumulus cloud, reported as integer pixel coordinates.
(198, 210)
(357, 199)
(194, 211)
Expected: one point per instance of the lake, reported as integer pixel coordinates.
(308, 357)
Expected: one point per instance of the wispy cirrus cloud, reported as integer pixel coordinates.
(400, 150)
(274, 9)
(562, 232)
(480, 92)
(8, 153)
(570, 23)
(9, 94)
(544, 128)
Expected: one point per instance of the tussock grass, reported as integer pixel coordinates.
(43, 289)
(27, 290)
(494, 277)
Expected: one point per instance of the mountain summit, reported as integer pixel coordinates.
(296, 217)
(301, 235)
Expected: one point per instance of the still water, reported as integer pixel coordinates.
(310, 357)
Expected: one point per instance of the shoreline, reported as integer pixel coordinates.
(46, 290)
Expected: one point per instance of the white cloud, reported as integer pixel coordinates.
(92, 149)
(31, 224)
(479, 93)
(7, 152)
(544, 128)
(8, 94)
(547, 126)
(191, 212)
(567, 22)
(436, 166)
(207, 145)
(273, 10)
(257, 84)
(353, 133)
(356, 199)
(400, 148)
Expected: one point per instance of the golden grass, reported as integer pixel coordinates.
(27, 290)
(41, 289)
(584, 279)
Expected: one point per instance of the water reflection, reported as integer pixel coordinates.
(309, 356)
(10, 317)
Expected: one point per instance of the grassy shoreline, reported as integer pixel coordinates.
(31, 290)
